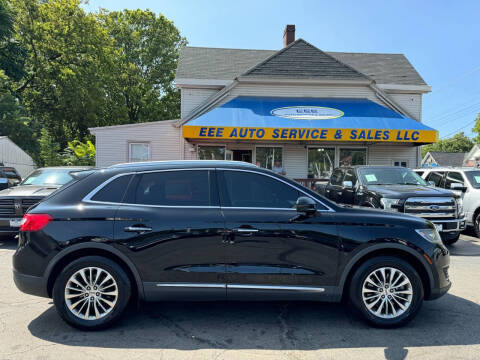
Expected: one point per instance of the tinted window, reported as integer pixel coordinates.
(453, 177)
(337, 177)
(350, 176)
(246, 189)
(114, 190)
(436, 177)
(175, 188)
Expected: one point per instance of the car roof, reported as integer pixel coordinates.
(446, 168)
(65, 168)
(179, 164)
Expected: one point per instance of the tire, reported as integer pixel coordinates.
(359, 305)
(106, 307)
(452, 240)
(476, 225)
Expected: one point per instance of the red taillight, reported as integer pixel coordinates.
(35, 222)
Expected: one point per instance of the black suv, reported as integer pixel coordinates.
(216, 230)
(9, 177)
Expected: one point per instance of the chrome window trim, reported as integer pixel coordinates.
(329, 209)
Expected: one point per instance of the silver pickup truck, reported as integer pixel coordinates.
(465, 181)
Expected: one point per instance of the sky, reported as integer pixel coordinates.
(440, 38)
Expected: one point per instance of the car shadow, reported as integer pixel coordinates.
(450, 320)
(466, 246)
(8, 242)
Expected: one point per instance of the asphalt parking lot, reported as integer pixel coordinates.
(446, 328)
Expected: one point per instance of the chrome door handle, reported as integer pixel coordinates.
(246, 230)
(139, 229)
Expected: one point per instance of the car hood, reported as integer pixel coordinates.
(405, 191)
(29, 190)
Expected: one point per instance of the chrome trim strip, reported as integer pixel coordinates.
(432, 215)
(192, 285)
(286, 183)
(275, 287)
(430, 200)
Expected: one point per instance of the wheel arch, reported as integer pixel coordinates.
(397, 250)
(93, 249)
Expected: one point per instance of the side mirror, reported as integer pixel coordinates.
(431, 183)
(306, 205)
(458, 186)
(348, 184)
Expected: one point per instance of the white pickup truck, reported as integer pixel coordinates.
(464, 181)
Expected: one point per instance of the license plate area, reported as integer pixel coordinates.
(16, 222)
(439, 227)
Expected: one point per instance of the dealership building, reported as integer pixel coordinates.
(301, 107)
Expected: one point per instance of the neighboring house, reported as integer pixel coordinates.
(440, 158)
(472, 158)
(12, 155)
(308, 109)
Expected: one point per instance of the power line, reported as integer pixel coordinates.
(472, 109)
(458, 78)
(461, 128)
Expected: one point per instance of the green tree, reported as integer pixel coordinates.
(457, 143)
(78, 153)
(476, 130)
(49, 150)
(148, 47)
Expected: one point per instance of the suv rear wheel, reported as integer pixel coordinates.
(91, 293)
(386, 291)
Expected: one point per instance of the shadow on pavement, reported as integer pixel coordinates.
(450, 320)
(8, 242)
(466, 246)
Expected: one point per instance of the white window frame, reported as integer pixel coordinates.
(130, 143)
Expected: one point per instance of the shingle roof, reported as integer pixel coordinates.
(303, 60)
(448, 158)
(226, 64)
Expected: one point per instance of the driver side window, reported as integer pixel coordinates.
(253, 190)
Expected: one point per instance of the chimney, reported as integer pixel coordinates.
(288, 35)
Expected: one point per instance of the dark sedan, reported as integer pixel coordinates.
(217, 230)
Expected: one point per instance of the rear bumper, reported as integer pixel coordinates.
(29, 284)
(5, 227)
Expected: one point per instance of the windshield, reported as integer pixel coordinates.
(44, 177)
(389, 176)
(474, 178)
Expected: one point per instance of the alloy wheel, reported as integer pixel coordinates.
(387, 292)
(91, 293)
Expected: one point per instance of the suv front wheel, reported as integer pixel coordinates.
(386, 291)
(91, 293)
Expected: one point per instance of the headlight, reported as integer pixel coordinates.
(387, 203)
(431, 235)
(459, 206)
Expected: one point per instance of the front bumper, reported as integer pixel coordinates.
(29, 284)
(455, 225)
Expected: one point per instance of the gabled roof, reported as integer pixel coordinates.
(227, 64)
(303, 60)
(448, 158)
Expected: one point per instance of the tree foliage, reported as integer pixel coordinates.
(476, 129)
(63, 70)
(457, 143)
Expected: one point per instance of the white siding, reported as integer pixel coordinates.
(385, 154)
(412, 103)
(12, 155)
(191, 98)
(112, 142)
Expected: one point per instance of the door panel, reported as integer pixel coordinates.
(179, 250)
(271, 250)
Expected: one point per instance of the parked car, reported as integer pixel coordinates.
(398, 189)
(9, 177)
(463, 181)
(216, 230)
(15, 201)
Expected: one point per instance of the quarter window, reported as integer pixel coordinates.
(139, 152)
(246, 189)
(113, 191)
(175, 188)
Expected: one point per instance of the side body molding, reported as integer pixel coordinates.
(100, 246)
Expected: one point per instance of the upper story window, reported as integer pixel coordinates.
(138, 152)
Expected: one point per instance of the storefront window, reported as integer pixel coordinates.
(266, 157)
(211, 152)
(350, 157)
(321, 162)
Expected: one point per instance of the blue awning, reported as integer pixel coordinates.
(264, 118)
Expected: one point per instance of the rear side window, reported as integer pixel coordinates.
(246, 189)
(175, 188)
(337, 177)
(436, 177)
(114, 191)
